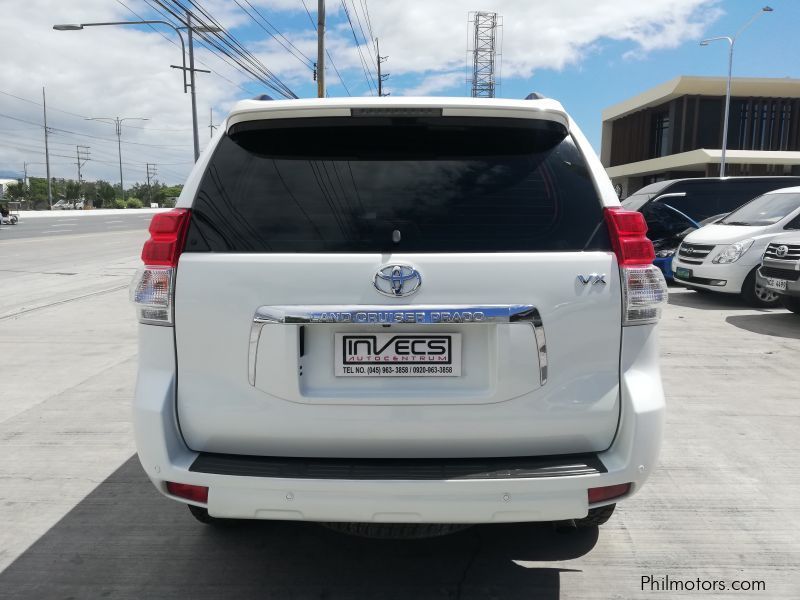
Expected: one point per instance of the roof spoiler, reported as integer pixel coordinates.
(535, 96)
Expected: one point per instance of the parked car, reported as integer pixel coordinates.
(780, 268)
(724, 256)
(676, 207)
(426, 311)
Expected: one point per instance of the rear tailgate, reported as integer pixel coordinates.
(503, 279)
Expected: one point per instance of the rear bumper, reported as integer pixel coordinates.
(630, 458)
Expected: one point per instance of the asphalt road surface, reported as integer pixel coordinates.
(64, 223)
(78, 519)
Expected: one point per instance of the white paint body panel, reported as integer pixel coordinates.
(496, 408)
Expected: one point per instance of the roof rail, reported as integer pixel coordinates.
(263, 97)
(535, 96)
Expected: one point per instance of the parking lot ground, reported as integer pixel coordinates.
(79, 518)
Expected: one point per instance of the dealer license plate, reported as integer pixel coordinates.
(776, 284)
(397, 355)
(683, 272)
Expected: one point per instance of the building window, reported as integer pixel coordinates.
(764, 125)
(660, 135)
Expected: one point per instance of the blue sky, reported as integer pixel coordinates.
(589, 54)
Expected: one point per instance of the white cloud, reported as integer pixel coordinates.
(115, 71)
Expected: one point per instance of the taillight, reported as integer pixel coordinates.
(152, 288)
(644, 290)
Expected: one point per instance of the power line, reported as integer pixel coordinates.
(364, 67)
(174, 43)
(211, 31)
(364, 35)
(304, 60)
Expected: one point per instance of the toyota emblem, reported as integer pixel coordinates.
(397, 280)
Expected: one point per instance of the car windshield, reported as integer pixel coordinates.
(764, 210)
(636, 201)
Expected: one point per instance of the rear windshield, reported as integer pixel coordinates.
(370, 184)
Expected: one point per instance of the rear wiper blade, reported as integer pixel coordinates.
(735, 223)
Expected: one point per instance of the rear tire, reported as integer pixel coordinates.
(201, 514)
(397, 531)
(757, 295)
(596, 517)
(791, 303)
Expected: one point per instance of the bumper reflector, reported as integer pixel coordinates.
(608, 492)
(195, 493)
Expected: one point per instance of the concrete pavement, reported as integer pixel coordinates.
(81, 520)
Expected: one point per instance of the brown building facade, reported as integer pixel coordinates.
(675, 130)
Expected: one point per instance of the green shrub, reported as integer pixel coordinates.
(117, 203)
(135, 203)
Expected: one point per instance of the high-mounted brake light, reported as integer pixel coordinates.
(644, 290)
(152, 288)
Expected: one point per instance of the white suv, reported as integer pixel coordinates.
(389, 311)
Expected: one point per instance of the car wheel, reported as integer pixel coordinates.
(791, 303)
(757, 295)
(596, 517)
(201, 514)
(397, 531)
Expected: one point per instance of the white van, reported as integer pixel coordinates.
(724, 256)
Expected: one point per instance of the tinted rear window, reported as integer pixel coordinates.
(367, 184)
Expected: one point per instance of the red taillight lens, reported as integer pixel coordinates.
(167, 236)
(608, 492)
(195, 493)
(627, 229)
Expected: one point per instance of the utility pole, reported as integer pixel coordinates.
(211, 126)
(190, 33)
(118, 124)
(82, 154)
(381, 77)
(152, 171)
(47, 154)
(320, 48)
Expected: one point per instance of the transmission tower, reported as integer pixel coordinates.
(486, 52)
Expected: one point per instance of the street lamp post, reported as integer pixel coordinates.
(183, 67)
(731, 41)
(118, 123)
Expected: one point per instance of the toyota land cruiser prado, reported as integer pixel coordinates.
(392, 311)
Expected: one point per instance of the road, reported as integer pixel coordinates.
(79, 519)
(63, 223)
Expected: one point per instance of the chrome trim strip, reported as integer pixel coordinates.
(376, 315)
